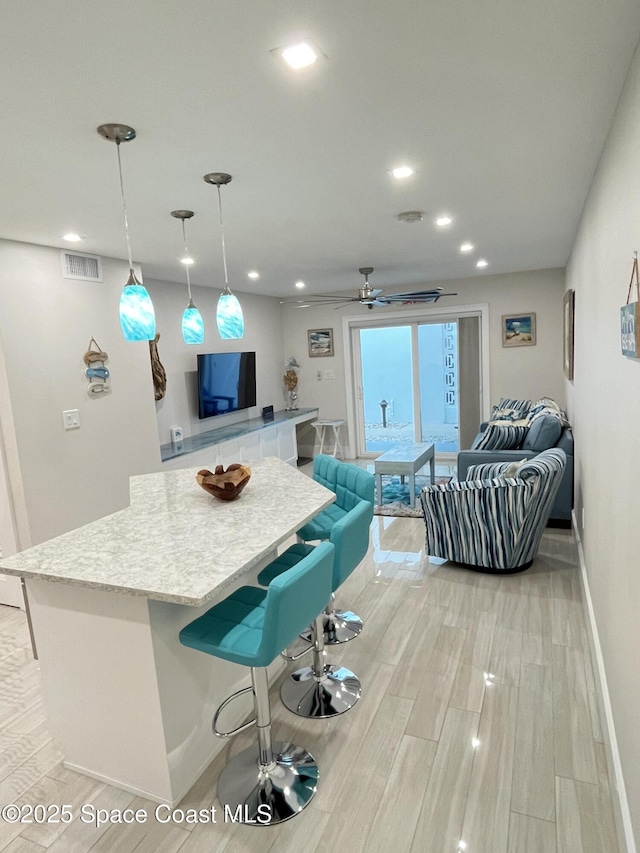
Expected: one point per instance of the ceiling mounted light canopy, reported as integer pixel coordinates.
(137, 317)
(192, 322)
(229, 311)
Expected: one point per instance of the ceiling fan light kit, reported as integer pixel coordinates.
(137, 317)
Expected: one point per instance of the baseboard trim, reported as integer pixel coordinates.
(622, 814)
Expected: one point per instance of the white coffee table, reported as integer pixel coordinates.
(405, 460)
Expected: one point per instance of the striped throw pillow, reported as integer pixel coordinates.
(498, 437)
(522, 406)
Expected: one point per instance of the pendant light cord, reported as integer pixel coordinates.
(124, 208)
(224, 254)
(186, 254)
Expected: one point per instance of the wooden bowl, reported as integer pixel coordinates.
(224, 485)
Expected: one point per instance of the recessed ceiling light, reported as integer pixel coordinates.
(300, 285)
(299, 55)
(402, 172)
(72, 238)
(253, 274)
(482, 263)
(443, 221)
(467, 247)
(188, 262)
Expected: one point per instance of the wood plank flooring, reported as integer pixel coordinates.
(478, 728)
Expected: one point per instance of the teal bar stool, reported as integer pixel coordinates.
(351, 485)
(323, 689)
(251, 627)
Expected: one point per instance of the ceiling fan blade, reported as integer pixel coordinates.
(314, 300)
(412, 294)
(420, 296)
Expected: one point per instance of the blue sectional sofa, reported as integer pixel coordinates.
(535, 442)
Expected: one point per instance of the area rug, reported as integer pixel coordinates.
(395, 496)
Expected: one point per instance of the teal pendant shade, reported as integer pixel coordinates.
(137, 317)
(229, 316)
(192, 325)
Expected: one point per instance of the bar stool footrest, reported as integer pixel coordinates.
(220, 709)
(334, 692)
(268, 797)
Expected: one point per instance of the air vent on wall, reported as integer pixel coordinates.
(80, 266)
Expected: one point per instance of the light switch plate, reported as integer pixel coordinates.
(71, 419)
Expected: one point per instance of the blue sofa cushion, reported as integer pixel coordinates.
(543, 433)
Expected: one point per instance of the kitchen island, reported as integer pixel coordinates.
(128, 704)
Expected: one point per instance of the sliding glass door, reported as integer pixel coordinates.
(408, 386)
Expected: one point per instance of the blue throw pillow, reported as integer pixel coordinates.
(543, 433)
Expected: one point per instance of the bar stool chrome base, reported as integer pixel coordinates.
(269, 794)
(321, 696)
(339, 626)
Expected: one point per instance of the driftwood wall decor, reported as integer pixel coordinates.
(157, 370)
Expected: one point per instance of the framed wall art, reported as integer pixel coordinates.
(568, 312)
(518, 330)
(630, 317)
(320, 342)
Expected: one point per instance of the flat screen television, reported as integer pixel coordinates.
(226, 382)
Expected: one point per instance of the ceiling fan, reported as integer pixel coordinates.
(371, 296)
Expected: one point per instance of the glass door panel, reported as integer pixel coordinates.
(387, 387)
(438, 385)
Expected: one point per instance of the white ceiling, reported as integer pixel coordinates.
(502, 107)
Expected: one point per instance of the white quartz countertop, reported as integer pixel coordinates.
(175, 542)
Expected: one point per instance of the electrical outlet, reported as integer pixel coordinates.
(71, 419)
(319, 376)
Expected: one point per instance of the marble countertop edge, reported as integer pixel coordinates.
(187, 581)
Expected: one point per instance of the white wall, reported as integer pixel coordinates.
(526, 372)
(46, 322)
(605, 408)
(263, 335)
(62, 479)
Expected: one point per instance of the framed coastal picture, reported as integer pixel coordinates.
(518, 330)
(320, 342)
(568, 312)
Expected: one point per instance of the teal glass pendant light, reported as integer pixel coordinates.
(229, 311)
(192, 322)
(137, 317)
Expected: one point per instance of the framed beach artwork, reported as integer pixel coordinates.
(320, 342)
(518, 330)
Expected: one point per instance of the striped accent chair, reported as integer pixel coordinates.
(491, 522)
